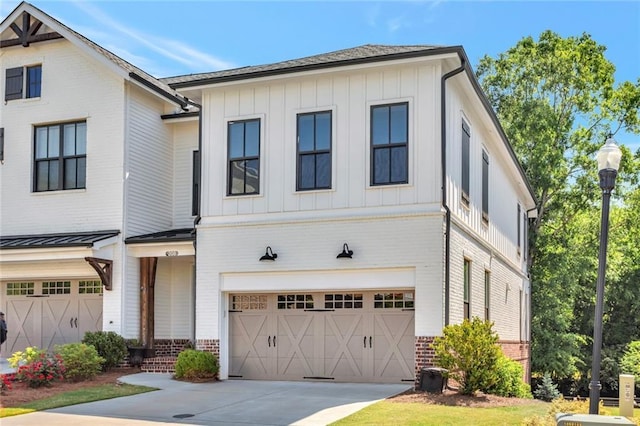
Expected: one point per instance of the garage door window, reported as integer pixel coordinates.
(248, 302)
(343, 301)
(56, 287)
(90, 287)
(295, 301)
(20, 289)
(393, 300)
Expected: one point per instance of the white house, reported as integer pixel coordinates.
(347, 206)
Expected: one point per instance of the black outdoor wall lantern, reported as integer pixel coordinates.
(346, 253)
(269, 255)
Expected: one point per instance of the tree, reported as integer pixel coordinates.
(556, 99)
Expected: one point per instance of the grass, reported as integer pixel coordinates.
(395, 413)
(96, 393)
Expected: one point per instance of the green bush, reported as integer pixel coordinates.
(41, 370)
(29, 355)
(509, 382)
(81, 361)
(110, 346)
(470, 352)
(196, 365)
(630, 361)
(547, 390)
(561, 405)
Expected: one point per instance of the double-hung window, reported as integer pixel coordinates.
(60, 157)
(466, 147)
(314, 151)
(466, 291)
(519, 230)
(389, 144)
(485, 186)
(244, 157)
(487, 294)
(23, 82)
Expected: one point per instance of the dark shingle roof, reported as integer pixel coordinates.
(360, 54)
(170, 236)
(74, 239)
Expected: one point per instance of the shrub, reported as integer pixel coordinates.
(196, 365)
(547, 390)
(561, 405)
(509, 382)
(630, 361)
(470, 352)
(41, 371)
(110, 346)
(5, 383)
(29, 355)
(81, 361)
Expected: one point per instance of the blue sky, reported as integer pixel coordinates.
(168, 38)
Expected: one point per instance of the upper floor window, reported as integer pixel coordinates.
(60, 157)
(466, 292)
(466, 146)
(485, 186)
(23, 82)
(314, 151)
(195, 183)
(389, 144)
(519, 230)
(244, 157)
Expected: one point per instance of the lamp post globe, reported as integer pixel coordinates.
(609, 157)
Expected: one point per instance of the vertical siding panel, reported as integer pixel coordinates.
(279, 198)
(356, 118)
(342, 142)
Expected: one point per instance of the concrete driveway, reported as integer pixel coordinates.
(231, 402)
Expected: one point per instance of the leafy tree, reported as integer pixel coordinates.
(470, 352)
(630, 363)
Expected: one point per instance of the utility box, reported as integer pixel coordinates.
(563, 419)
(626, 392)
(433, 379)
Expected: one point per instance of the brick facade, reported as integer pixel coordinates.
(518, 351)
(424, 355)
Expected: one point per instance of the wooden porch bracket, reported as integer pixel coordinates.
(104, 268)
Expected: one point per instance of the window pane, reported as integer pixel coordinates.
(381, 165)
(307, 171)
(41, 142)
(398, 123)
(305, 133)
(380, 125)
(54, 141)
(54, 182)
(34, 79)
(81, 173)
(399, 164)
(253, 176)
(323, 170)
(236, 140)
(42, 176)
(237, 177)
(69, 139)
(70, 173)
(323, 131)
(252, 138)
(81, 138)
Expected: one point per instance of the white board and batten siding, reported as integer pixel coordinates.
(349, 96)
(185, 142)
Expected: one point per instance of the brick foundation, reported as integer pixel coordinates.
(167, 351)
(424, 355)
(518, 351)
(209, 345)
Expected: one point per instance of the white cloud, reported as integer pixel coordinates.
(121, 35)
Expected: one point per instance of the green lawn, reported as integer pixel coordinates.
(80, 396)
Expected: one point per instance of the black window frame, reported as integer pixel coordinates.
(315, 152)
(466, 289)
(21, 83)
(61, 159)
(487, 294)
(389, 146)
(485, 186)
(519, 230)
(243, 158)
(465, 162)
(195, 183)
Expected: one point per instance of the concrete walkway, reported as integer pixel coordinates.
(230, 402)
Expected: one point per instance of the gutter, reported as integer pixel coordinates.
(183, 102)
(443, 166)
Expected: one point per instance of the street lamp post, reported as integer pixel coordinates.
(608, 162)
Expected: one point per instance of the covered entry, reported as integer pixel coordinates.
(345, 336)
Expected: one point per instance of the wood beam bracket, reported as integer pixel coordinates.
(27, 33)
(104, 268)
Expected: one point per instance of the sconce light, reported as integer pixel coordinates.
(346, 253)
(269, 255)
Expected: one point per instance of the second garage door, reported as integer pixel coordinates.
(339, 336)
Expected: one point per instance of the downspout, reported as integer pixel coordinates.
(196, 220)
(443, 157)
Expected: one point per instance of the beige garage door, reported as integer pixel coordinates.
(339, 336)
(49, 313)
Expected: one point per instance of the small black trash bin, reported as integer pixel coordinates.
(433, 379)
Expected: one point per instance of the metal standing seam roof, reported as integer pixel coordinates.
(170, 236)
(361, 54)
(75, 239)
